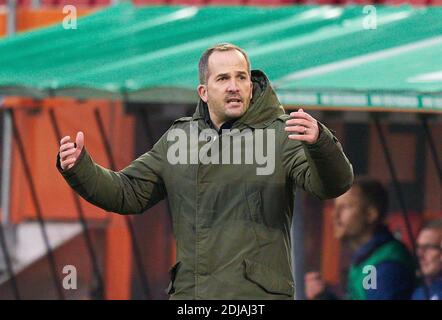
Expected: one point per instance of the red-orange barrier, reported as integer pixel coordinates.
(2, 23)
(42, 146)
(118, 260)
(331, 249)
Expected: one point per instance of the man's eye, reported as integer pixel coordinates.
(222, 78)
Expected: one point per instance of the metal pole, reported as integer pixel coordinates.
(135, 248)
(35, 4)
(399, 194)
(28, 175)
(99, 289)
(432, 147)
(6, 257)
(5, 206)
(6, 165)
(11, 17)
(5, 229)
(7, 128)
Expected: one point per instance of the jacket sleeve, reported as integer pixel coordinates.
(132, 190)
(322, 168)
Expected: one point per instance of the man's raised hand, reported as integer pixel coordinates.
(69, 151)
(302, 127)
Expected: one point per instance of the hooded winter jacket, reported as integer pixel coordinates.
(231, 220)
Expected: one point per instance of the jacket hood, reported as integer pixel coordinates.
(264, 107)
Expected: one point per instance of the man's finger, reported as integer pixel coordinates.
(66, 146)
(65, 139)
(65, 154)
(79, 140)
(298, 129)
(307, 138)
(313, 275)
(303, 115)
(71, 165)
(68, 163)
(303, 122)
(299, 137)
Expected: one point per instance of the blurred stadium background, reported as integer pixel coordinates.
(129, 69)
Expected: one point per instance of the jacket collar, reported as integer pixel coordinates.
(381, 235)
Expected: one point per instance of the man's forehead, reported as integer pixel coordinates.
(351, 195)
(227, 61)
(430, 235)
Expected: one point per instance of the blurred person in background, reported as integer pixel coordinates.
(429, 253)
(381, 266)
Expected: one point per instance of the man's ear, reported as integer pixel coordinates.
(372, 214)
(202, 92)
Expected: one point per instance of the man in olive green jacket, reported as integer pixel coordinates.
(231, 219)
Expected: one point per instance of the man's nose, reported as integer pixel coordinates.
(233, 86)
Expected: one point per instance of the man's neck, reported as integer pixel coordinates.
(357, 242)
(216, 122)
(429, 279)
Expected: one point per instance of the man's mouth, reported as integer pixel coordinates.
(234, 100)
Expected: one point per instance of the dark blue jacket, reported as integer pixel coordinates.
(434, 288)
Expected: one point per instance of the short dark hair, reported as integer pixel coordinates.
(374, 194)
(433, 225)
(203, 65)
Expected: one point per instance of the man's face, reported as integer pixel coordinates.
(349, 215)
(229, 88)
(429, 252)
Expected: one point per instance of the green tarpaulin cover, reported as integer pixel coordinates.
(355, 56)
